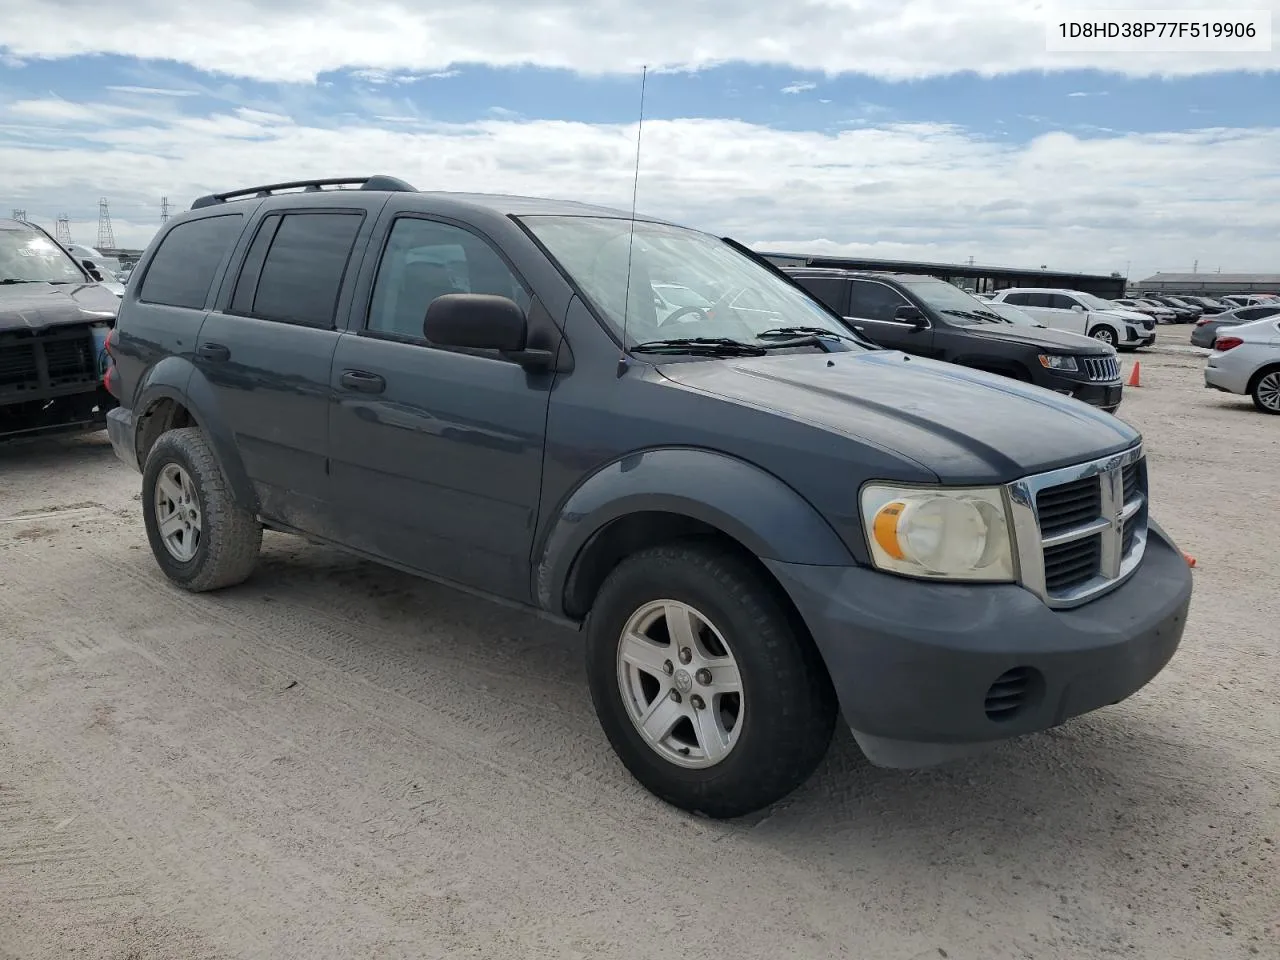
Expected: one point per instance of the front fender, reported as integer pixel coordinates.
(176, 378)
(754, 507)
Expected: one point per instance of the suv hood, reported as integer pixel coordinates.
(1129, 316)
(34, 306)
(964, 426)
(1059, 340)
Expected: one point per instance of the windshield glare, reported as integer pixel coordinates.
(1096, 303)
(28, 255)
(726, 294)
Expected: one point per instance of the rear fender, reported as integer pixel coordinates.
(175, 378)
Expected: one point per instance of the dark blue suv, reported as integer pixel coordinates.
(758, 519)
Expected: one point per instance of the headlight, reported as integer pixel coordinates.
(1056, 361)
(940, 533)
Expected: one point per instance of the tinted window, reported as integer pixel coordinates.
(1018, 299)
(833, 291)
(304, 267)
(1061, 301)
(873, 301)
(182, 270)
(425, 259)
(242, 299)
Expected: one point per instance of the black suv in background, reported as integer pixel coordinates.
(929, 317)
(758, 522)
(54, 321)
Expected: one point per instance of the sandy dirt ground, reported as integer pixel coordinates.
(339, 761)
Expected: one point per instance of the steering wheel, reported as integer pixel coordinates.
(681, 311)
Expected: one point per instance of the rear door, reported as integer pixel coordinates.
(265, 350)
(165, 306)
(872, 305)
(832, 291)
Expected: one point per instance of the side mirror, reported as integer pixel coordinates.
(93, 269)
(1077, 308)
(912, 315)
(480, 321)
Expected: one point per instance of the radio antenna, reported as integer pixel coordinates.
(631, 242)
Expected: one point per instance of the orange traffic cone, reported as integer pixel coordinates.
(1135, 375)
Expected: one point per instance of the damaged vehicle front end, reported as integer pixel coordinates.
(54, 322)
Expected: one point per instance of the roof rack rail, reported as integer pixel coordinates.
(375, 182)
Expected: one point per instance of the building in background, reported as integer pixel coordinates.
(1210, 284)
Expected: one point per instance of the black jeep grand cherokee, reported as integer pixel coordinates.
(929, 317)
(758, 522)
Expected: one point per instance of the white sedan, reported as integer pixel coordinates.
(1246, 360)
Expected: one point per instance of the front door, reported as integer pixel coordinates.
(872, 306)
(436, 454)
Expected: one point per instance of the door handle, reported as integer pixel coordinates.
(362, 381)
(213, 351)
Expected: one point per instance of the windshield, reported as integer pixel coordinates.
(1095, 303)
(943, 296)
(28, 256)
(726, 294)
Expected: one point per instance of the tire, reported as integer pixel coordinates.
(1106, 334)
(224, 548)
(1265, 391)
(785, 710)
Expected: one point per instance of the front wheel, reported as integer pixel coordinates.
(713, 698)
(1105, 334)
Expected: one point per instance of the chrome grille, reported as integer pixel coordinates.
(1081, 530)
(1102, 368)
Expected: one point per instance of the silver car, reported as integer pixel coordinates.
(1246, 360)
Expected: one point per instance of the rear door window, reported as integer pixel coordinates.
(302, 269)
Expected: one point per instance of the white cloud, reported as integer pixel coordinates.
(799, 87)
(291, 41)
(153, 91)
(924, 191)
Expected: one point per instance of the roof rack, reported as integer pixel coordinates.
(375, 182)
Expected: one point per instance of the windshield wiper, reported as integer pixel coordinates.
(707, 346)
(8, 280)
(784, 332)
(991, 317)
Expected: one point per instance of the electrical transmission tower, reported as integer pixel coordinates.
(63, 230)
(20, 215)
(164, 210)
(106, 238)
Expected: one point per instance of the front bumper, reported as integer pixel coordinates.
(1104, 395)
(913, 662)
(61, 412)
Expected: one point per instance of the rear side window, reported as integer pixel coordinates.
(183, 269)
(300, 260)
(1018, 299)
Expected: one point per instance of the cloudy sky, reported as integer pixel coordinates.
(917, 129)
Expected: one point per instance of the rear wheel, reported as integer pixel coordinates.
(1266, 391)
(201, 538)
(711, 695)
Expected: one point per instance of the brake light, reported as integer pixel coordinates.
(110, 342)
(1202, 321)
(1227, 343)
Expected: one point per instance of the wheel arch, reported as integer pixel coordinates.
(1261, 372)
(167, 402)
(659, 496)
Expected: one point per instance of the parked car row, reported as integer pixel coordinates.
(1191, 309)
(1207, 328)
